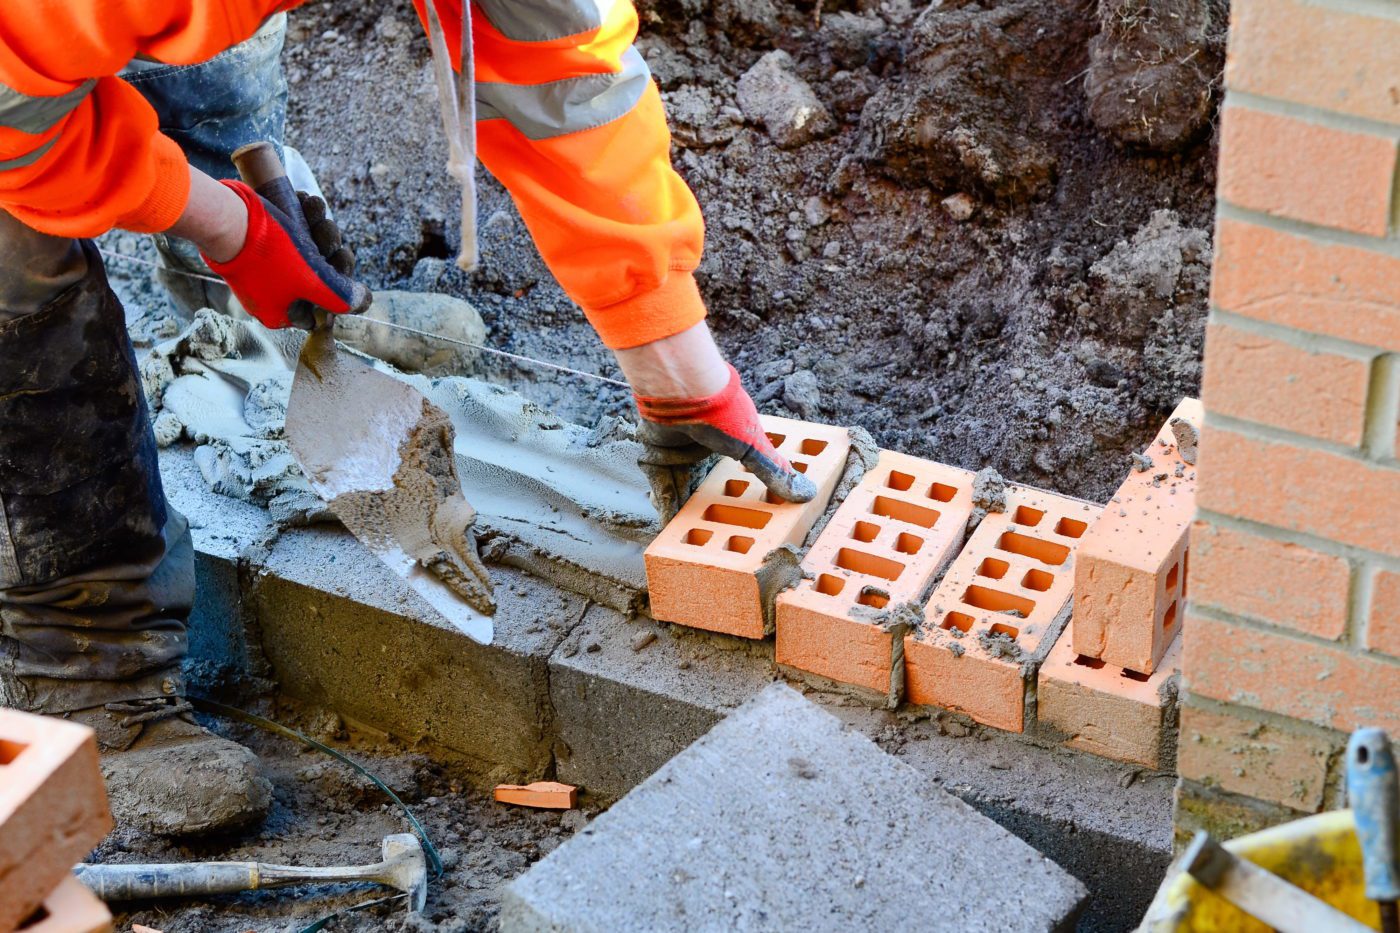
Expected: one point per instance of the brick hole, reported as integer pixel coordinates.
(1169, 617)
(735, 488)
(811, 446)
(872, 565)
(1134, 675)
(698, 536)
(41, 913)
(1037, 580)
(1185, 570)
(799, 466)
(901, 481)
(829, 585)
(776, 439)
(1172, 576)
(984, 597)
(904, 512)
(10, 750)
(992, 567)
(1047, 552)
(1001, 628)
(873, 597)
(957, 620)
(1083, 660)
(907, 543)
(865, 531)
(942, 492)
(1071, 527)
(1025, 515)
(738, 543)
(734, 515)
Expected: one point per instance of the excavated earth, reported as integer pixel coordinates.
(979, 231)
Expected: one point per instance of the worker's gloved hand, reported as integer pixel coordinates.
(285, 267)
(680, 436)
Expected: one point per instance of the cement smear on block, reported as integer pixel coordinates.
(563, 502)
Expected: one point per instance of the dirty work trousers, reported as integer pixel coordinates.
(96, 570)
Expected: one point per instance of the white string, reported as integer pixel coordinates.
(406, 329)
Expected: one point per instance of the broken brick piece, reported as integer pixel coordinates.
(543, 795)
(1130, 576)
(53, 807)
(70, 908)
(884, 546)
(1107, 710)
(703, 569)
(998, 610)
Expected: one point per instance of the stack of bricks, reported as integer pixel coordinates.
(53, 810)
(1109, 686)
(1292, 636)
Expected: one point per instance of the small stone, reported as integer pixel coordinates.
(642, 639)
(593, 647)
(831, 250)
(1141, 462)
(802, 394)
(959, 206)
(770, 93)
(815, 211)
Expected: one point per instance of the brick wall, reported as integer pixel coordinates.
(1293, 633)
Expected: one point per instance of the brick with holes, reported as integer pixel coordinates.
(1110, 711)
(53, 807)
(896, 530)
(1130, 578)
(704, 568)
(70, 908)
(998, 610)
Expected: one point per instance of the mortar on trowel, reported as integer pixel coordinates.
(376, 450)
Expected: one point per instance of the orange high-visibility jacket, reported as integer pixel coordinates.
(568, 119)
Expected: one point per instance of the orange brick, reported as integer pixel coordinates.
(1308, 53)
(1246, 756)
(891, 536)
(1303, 171)
(1130, 572)
(1277, 582)
(1271, 671)
(998, 610)
(702, 570)
(1106, 710)
(71, 908)
(1384, 628)
(542, 795)
(1257, 378)
(53, 807)
(1314, 491)
(1273, 276)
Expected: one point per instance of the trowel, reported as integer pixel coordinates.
(379, 452)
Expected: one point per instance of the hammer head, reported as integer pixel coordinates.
(406, 869)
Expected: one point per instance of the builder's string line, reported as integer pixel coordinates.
(530, 361)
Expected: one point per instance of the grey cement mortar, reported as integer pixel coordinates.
(780, 819)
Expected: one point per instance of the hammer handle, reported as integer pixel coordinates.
(141, 882)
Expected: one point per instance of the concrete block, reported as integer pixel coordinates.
(1107, 710)
(779, 818)
(1130, 573)
(705, 568)
(340, 629)
(70, 908)
(895, 531)
(53, 807)
(998, 610)
(621, 712)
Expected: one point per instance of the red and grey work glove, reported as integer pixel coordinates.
(681, 435)
(286, 267)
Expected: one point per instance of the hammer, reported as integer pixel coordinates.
(402, 868)
(1373, 793)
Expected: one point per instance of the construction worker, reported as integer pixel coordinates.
(96, 570)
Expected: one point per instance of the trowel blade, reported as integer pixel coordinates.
(346, 423)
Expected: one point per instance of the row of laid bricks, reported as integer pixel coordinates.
(895, 602)
(53, 810)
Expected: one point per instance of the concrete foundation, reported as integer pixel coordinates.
(781, 819)
(577, 691)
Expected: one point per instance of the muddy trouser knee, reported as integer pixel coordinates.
(96, 572)
(211, 109)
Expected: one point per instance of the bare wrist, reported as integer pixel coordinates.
(685, 365)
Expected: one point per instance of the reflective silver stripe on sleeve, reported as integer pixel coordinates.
(558, 108)
(545, 20)
(34, 115)
(29, 158)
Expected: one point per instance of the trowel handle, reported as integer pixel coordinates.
(1373, 792)
(142, 882)
(261, 169)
